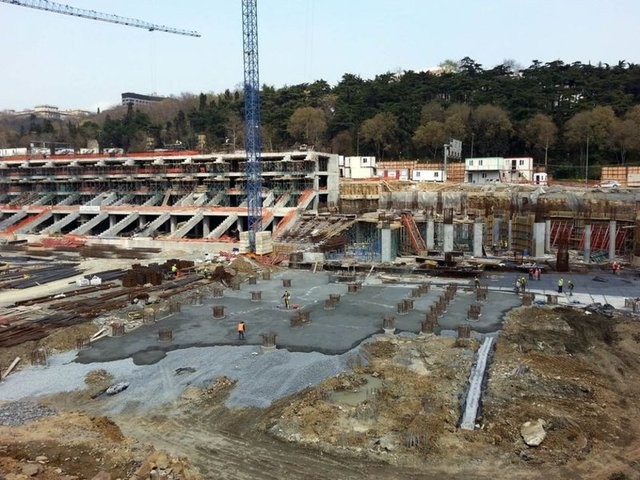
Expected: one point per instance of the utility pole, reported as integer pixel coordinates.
(586, 167)
(446, 152)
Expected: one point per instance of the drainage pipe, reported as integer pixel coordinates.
(475, 385)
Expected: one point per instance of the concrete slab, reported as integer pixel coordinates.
(355, 318)
(592, 287)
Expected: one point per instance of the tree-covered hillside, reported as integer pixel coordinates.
(552, 111)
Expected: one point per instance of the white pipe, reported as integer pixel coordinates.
(475, 386)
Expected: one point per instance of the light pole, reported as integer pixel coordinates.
(473, 135)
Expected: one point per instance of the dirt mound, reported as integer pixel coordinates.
(98, 377)
(217, 391)
(577, 371)
(73, 445)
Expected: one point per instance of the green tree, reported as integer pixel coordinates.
(342, 143)
(432, 111)
(381, 130)
(491, 127)
(432, 135)
(625, 133)
(593, 126)
(540, 132)
(307, 124)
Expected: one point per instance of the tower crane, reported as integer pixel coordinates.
(93, 15)
(252, 119)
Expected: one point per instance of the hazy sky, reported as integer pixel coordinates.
(76, 63)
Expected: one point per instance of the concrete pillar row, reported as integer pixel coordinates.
(510, 235)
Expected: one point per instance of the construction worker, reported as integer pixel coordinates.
(174, 270)
(523, 283)
(286, 297)
(477, 282)
(570, 286)
(560, 285)
(241, 329)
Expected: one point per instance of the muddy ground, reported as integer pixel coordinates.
(394, 416)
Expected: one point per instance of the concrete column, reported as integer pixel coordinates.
(587, 243)
(385, 245)
(613, 233)
(547, 235)
(510, 235)
(206, 226)
(497, 226)
(430, 237)
(539, 239)
(477, 238)
(240, 224)
(141, 221)
(112, 221)
(447, 242)
(173, 224)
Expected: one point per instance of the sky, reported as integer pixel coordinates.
(73, 63)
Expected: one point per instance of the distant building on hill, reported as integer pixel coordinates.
(139, 99)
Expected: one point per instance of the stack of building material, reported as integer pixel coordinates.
(264, 243)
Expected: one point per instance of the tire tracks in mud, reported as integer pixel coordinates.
(235, 448)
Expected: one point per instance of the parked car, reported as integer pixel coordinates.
(609, 184)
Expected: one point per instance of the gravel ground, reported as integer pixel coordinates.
(16, 413)
(261, 377)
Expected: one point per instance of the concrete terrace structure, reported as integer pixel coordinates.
(172, 195)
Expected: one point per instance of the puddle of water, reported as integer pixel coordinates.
(360, 394)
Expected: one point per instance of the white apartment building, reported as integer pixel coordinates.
(357, 167)
(499, 170)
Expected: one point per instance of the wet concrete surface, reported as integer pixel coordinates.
(355, 318)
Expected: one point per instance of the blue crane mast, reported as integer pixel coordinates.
(252, 119)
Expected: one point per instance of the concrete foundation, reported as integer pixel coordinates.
(355, 318)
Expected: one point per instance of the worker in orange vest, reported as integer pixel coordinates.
(241, 329)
